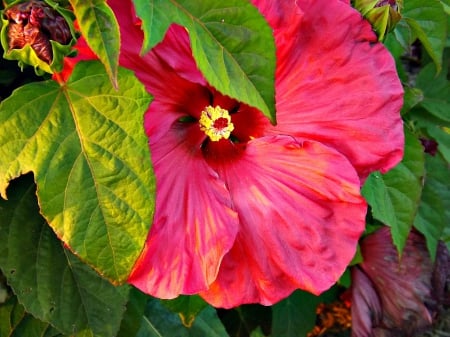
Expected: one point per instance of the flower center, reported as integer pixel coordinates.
(216, 123)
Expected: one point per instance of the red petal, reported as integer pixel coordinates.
(300, 215)
(335, 83)
(194, 225)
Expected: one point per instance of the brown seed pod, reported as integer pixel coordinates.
(39, 42)
(16, 38)
(35, 23)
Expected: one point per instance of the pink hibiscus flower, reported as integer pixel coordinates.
(247, 212)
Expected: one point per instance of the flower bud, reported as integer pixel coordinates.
(38, 33)
(382, 14)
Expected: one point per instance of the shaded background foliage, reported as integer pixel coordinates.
(46, 290)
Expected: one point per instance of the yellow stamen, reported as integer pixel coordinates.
(216, 123)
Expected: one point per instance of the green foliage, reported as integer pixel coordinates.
(229, 39)
(134, 312)
(51, 282)
(16, 322)
(436, 92)
(85, 143)
(394, 196)
(244, 320)
(187, 307)
(434, 209)
(426, 21)
(429, 116)
(296, 315)
(159, 321)
(100, 28)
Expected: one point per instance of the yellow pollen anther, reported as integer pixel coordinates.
(216, 123)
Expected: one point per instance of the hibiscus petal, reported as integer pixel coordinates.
(194, 225)
(335, 83)
(301, 215)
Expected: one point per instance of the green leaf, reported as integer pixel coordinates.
(15, 322)
(133, 315)
(434, 210)
(295, 316)
(231, 43)
(86, 145)
(394, 196)
(436, 91)
(428, 22)
(257, 333)
(446, 4)
(99, 27)
(187, 307)
(51, 283)
(159, 321)
(397, 50)
(412, 97)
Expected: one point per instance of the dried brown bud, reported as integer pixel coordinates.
(35, 23)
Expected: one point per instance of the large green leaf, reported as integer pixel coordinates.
(394, 196)
(159, 321)
(428, 22)
(434, 210)
(231, 43)
(51, 283)
(101, 31)
(86, 145)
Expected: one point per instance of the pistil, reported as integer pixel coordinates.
(216, 123)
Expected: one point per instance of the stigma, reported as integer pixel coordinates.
(216, 123)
